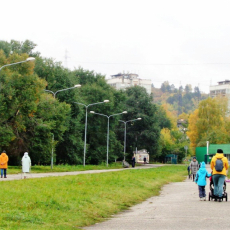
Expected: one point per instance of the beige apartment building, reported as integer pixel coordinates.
(122, 81)
(222, 89)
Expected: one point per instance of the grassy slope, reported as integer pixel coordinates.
(74, 201)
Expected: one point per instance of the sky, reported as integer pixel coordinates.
(180, 41)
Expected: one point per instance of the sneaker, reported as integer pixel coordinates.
(204, 198)
(201, 198)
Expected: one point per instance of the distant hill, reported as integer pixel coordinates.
(182, 100)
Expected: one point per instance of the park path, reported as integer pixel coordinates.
(40, 175)
(177, 208)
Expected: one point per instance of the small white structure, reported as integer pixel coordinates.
(140, 155)
(122, 81)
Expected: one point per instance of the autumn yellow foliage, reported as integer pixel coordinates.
(210, 122)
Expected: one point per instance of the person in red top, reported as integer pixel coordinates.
(3, 163)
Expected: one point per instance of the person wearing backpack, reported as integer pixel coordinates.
(194, 167)
(219, 166)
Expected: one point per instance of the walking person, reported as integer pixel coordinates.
(26, 164)
(145, 160)
(133, 161)
(189, 173)
(3, 163)
(219, 166)
(194, 167)
(201, 180)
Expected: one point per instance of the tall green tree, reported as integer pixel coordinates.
(95, 89)
(70, 145)
(142, 134)
(21, 105)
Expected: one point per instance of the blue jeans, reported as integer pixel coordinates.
(218, 181)
(3, 170)
(201, 191)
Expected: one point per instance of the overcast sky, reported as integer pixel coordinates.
(180, 41)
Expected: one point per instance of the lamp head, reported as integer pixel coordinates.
(139, 118)
(30, 59)
(124, 112)
(92, 112)
(106, 101)
(77, 86)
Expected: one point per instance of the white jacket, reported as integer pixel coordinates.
(26, 163)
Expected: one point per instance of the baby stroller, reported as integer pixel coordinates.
(211, 193)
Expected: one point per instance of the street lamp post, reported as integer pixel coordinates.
(54, 94)
(86, 115)
(107, 155)
(28, 59)
(125, 122)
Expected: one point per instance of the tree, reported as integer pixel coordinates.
(172, 142)
(188, 88)
(70, 144)
(95, 89)
(165, 87)
(209, 123)
(20, 93)
(192, 132)
(166, 144)
(19, 47)
(24, 123)
(170, 114)
(197, 91)
(165, 120)
(142, 134)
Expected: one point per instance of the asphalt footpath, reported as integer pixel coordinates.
(41, 175)
(177, 207)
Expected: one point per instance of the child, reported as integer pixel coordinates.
(201, 181)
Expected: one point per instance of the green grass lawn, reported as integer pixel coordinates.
(71, 202)
(62, 168)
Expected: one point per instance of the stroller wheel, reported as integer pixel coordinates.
(209, 196)
(226, 198)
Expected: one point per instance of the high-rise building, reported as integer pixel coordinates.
(122, 81)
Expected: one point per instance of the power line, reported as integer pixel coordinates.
(160, 64)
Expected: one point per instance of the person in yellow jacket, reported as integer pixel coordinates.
(3, 163)
(219, 166)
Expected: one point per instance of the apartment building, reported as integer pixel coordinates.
(122, 81)
(222, 89)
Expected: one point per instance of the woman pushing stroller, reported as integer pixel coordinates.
(219, 166)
